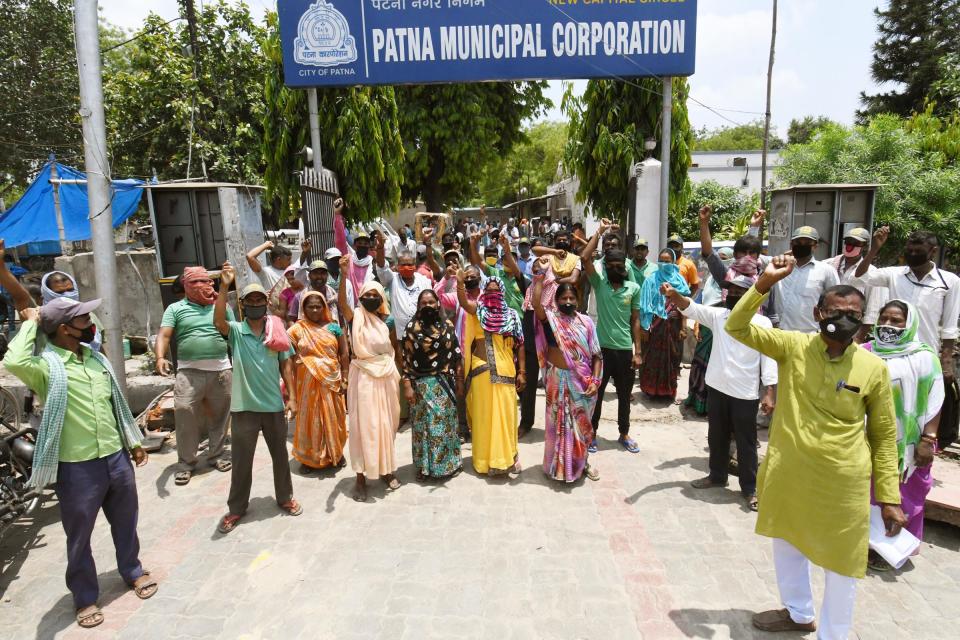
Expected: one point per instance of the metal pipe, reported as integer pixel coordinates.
(665, 160)
(315, 128)
(766, 126)
(96, 162)
(56, 182)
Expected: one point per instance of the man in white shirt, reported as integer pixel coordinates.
(403, 243)
(799, 293)
(271, 274)
(935, 293)
(855, 242)
(734, 375)
(404, 287)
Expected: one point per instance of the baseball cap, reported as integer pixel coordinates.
(451, 252)
(641, 242)
(332, 253)
(361, 234)
(524, 241)
(806, 231)
(63, 310)
(675, 238)
(318, 264)
(858, 233)
(253, 287)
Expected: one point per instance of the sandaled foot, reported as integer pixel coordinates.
(753, 503)
(593, 473)
(292, 507)
(592, 448)
(707, 483)
(456, 472)
(228, 523)
(223, 465)
(876, 562)
(182, 477)
(145, 586)
(629, 444)
(421, 477)
(360, 494)
(392, 483)
(89, 617)
(777, 620)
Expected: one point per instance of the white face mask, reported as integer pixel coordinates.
(889, 335)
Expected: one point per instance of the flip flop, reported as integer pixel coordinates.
(292, 507)
(629, 444)
(223, 465)
(593, 446)
(147, 588)
(753, 503)
(182, 477)
(91, 618)
(592, 472)
(228, 523)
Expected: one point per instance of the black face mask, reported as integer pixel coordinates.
(916, 259)
(562, 246)
(567, 308)
(361, 252)
(333, 268)
(371, 304)
(616, 275)
(841, 328)
(471, 284)
(255, 313)
(86, 335)
(731, 301)
(801, 251)
(430, 314)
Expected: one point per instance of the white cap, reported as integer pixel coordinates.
(332, 252)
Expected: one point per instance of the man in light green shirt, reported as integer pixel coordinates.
(94, 470)
(639, 267)
(256, 399)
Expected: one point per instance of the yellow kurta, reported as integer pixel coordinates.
(491, 400)
(814, 484)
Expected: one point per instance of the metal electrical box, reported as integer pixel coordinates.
(831, 209)
(204, 224)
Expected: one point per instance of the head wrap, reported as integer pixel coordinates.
(908, 342)
(325, 317)
(198, 286)
(652, 302)
(494, 314)
(371, 336)
(49, 294)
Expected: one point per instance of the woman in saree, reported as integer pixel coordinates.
(573, 371)
(432, 381)
(373, 391)
(493, 336)
(663, 327)
(322, 356)
(917, 383)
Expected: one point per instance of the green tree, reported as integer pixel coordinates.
(450, 132)
(731, 211)
(921, 189)
(801, 131)
(737, 138)
(165, 98)
(359, 132)
(532, 165)
(937, 134)
(915, 35)
(38, 73)
(608, 127)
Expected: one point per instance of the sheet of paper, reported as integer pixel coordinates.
(896, 549)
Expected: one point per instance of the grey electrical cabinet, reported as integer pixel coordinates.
(831, 209)
(204, 224)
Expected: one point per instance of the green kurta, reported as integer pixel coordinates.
(814, 484)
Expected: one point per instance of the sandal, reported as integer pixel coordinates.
(223, 465)
(629, 444)
(593, 473)
(707, 483)
(393, 484)
(145, 586)
(753, 503)
(228, 523)
(292, 507)
(421, 477)
(92, 618)
(182, 477)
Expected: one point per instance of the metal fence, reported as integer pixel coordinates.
(318, 190)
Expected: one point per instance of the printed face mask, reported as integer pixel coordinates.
(889, 335)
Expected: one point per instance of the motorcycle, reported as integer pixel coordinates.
(16, 459)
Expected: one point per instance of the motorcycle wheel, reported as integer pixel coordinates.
(10, 410)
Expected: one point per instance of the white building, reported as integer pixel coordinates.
(739, 169)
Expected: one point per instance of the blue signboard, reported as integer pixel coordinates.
(365, 42)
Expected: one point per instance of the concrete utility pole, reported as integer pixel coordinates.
(665, 160)
(96, 162)
(766, 128)
(313, 103)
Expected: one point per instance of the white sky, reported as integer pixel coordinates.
(822, 64)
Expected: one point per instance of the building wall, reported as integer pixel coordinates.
(718, 166)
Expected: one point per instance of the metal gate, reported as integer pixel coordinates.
(318, 190)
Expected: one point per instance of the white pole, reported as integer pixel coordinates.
(55, 181)
(312, 102)
(766, 124)
(665, 160)
(96, 162)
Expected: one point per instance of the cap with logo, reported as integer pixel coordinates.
(63, 310)
(318, 264)
(806, 231)
(253, 287)
(641, 242)
(524, 241)
(857, 233)
(675, 238)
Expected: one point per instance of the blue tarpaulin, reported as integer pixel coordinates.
(34, 219)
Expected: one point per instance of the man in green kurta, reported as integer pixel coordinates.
(814, 484)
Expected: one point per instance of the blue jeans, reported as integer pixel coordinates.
(84, 488)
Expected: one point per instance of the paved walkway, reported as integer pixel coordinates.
(636, 555)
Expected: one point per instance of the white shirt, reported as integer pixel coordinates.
(403, 298)
(734, 368)
(399, 247)
(936, 297)
(269, 276)
(799, 293)
(876, 296)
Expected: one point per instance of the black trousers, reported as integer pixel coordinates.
(617, 366)
(727, 415)
(528, 397)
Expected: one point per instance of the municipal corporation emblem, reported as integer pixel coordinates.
(323, 37)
